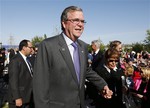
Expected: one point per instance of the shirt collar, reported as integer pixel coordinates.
(24, 57)
(96, 51)
(115, 69)
(107, 68)
(68, 40)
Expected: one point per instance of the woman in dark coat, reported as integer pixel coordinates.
(146, 95)
(112, 75)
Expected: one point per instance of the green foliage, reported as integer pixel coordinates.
(147, 47)
(36, 40)
(147, 41)
(89, 48)
(102, 47)
(137, 47)
(6, 105)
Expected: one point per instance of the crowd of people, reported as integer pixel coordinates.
(126, 73)
(61, 72)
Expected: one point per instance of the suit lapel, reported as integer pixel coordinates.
(21, 58)
(67, 57)
(82, 63)
(24, 63)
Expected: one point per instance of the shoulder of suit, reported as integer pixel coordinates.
(17, 58)
(82, 43)
(51, 38)
(50, 41)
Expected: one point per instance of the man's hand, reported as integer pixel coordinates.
(106, 92)
(19, 102)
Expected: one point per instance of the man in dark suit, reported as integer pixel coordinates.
(97, 60)
(56, 83)
(97, 54)
(20, 77)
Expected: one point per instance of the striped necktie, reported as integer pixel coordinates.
(30, 66)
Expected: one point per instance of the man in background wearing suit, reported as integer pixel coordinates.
(20, 77)
(57, 83)
(97, 54)
(97, 61)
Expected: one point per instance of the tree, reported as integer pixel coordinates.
(137, 47)
(36, 40)
(102, 46)
(147, 41)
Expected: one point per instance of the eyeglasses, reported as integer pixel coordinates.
(30, 47)
(112, 60)
(76, 21)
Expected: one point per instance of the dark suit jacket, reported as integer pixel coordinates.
(97, 60)
(32, 59)
(55, 84)
(146, 99)
(114, 82)
(20, 80)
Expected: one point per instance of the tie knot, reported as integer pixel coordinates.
(27, 59)
(74, 45)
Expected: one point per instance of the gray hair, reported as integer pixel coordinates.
(64, 15)
(97, 43)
